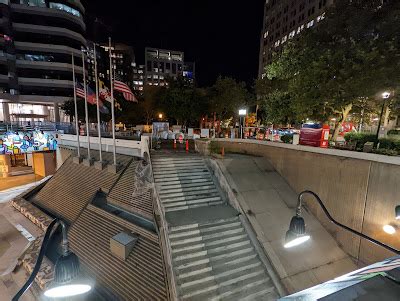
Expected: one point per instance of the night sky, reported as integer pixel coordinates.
(221, 36)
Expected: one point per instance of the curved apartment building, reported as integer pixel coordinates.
(37, 40)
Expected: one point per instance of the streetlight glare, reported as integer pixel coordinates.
(242, 112)
(160, 116)
(386, 95)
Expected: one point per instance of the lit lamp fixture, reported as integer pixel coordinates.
(297, 234)
(389, 229)
(160, 116)
(66, 281)
(242, 114)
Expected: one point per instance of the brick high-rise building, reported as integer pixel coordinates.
(283, 20)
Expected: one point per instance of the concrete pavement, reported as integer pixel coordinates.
(269, 202)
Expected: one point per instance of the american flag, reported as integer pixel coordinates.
(80, 92)
(120, 86)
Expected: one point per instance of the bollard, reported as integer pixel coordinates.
(187, 145)
(223, 151)
(174, 143)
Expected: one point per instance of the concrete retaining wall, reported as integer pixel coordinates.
(360, 190)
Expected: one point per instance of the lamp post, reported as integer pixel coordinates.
(160, 116)
(242, 113)
(66, 281)
(385, 96)
(297, 234)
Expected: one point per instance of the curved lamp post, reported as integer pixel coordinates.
(66, 270)
(297, 234)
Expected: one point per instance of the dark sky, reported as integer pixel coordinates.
(221, 36)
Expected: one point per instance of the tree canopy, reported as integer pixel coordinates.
(352, 54)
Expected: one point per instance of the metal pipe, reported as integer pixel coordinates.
(76, 107)
(97, 101)
(86, 105)
(112, 103)
(298, 213)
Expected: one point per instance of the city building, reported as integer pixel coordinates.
(123, 60)
(285, 19)
(138, 77)
(38, 39)
(162, 64)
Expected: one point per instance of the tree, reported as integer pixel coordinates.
(351, 55)
(227, 96)
(183, 102)
(69, 108)
(152, 97)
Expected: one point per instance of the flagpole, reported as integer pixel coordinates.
(86, 105)
(76, 107)
(97, 101)
(112, 103)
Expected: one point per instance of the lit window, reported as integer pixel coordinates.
(41, 3)
(284, 39)
(310, 24)
(291, 35)
(277, 43)
(65, 8)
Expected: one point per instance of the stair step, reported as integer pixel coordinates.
(206, 230)
(185, 185)
(193, 206)
(186, 189)
(209, 192)
(215, 265)
(181, 174)
(215, 287)
(184, 182)
(181, 178)
(214, 259)
(206, 237)
(190, 248)
(178, 167)
(196, 225)
(178, 171)
(233, 273)
(210, 252)
(240, 292)
(188, 203)
(188, 198)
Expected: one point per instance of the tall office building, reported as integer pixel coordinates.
(283, 20)
(161, 64)
(138, 77)
(38, 38)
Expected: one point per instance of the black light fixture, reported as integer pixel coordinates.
(66, 281)
(397, 212)
(297, 233)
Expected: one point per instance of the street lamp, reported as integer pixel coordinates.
(66, 281)
(160, 116)
(242, 113)
(297, 233)
(385, 96)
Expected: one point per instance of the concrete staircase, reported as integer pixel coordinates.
(212, 255)
(184, 182)
(217, 261)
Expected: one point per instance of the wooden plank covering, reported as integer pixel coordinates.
(73, 187)
(140, 277)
